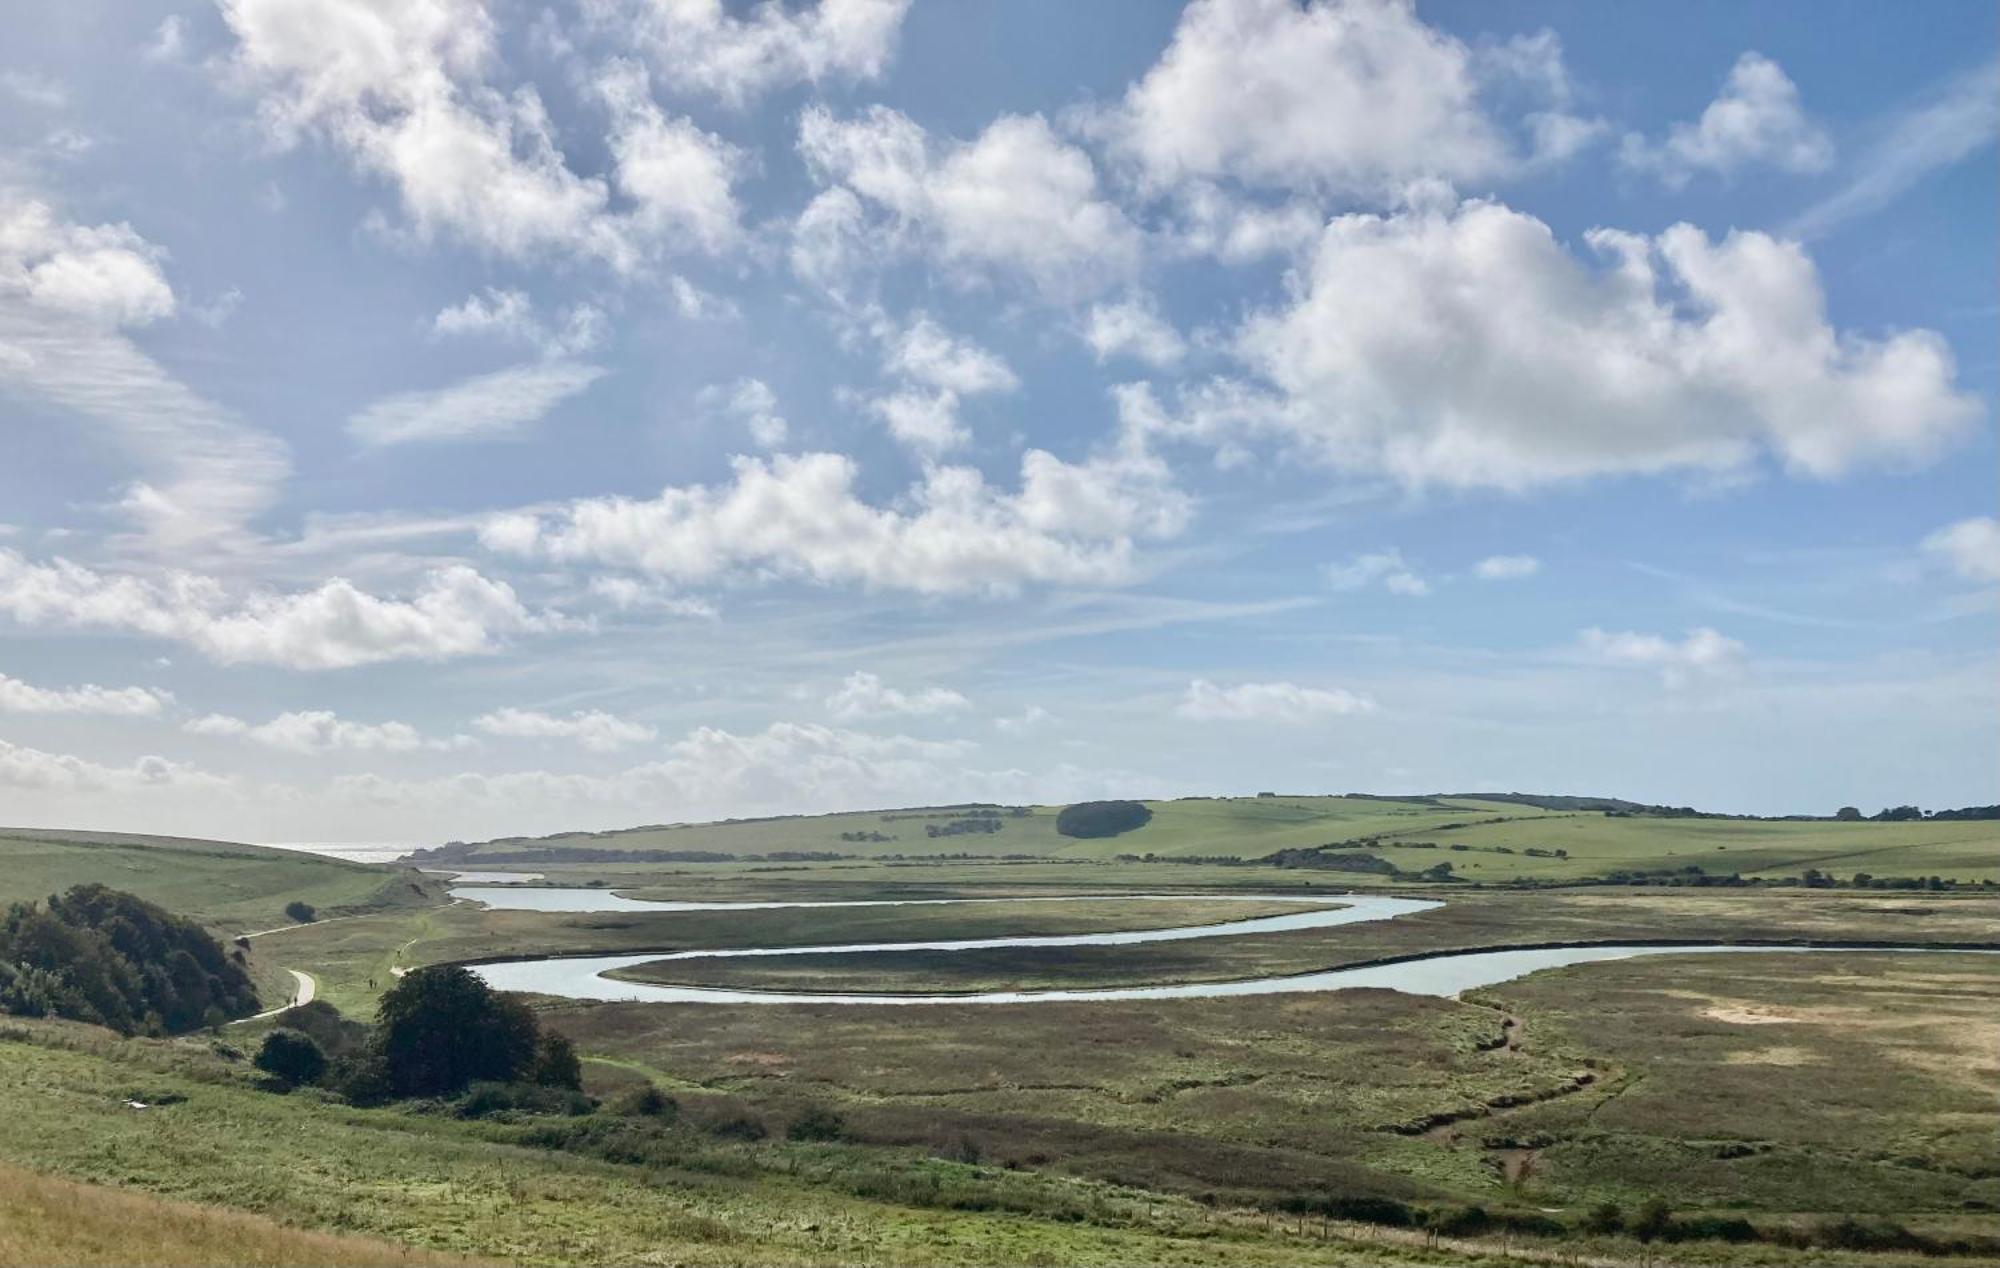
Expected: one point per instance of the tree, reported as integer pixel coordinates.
(440, 1028)
(1848, 814)
(291, 1057)
(555, 1062)
(302, 912)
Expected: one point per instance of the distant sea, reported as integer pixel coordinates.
(352, 851)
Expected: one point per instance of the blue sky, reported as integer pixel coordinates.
(444, 419)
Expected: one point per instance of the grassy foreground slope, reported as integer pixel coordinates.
(45, 1220)
(1493, 837)
(229, 887)
(510, 1191)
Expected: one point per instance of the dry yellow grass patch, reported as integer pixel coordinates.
(1749, 1015)
(44, 1220)
(1771, 1056)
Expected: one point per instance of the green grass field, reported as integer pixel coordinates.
(231, 888)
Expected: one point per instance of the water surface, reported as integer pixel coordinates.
(1445, 974)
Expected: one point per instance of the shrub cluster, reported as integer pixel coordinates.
(99, 955)
(438, 1032)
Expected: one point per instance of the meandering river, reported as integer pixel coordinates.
(1446, 973)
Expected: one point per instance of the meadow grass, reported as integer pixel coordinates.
(1848, 1083)
(500, 1190)
(47, 1220)
(1778, 1086)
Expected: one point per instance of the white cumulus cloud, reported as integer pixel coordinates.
(1015, 200)
(407, 93)
(1506, 567)
(799, 516)
(35, 770)
(594, 729)
(1133, 328)
(737, 53)
(1206, 701)
(864, 695)
(1757, 120)
(509, 314)
(1970, 548)
(126, 702)
(1703, 653)
(457, 612)
(1384, 567)
(1465, 346)
(752, 403)
(1331, 96)
(320, 731)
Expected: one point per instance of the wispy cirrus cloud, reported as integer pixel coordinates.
(496, 404)
(1958, 119)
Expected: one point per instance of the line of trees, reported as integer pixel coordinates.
(1913, 814)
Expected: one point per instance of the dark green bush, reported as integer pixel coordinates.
(291, 1058)
(1605, 1217)
(304, 913)
(1653, 1220)
(1459, 1221)
(337, 1036)
(555, 1063)
(646, 1101)
(817, 1123)
(739, 1127)
(485, 1100)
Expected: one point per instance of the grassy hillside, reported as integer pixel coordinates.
(1495, 836)
(1968, 850)
(47, 1220)
(1238, 826)
(540, 1192)
(227, 886)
